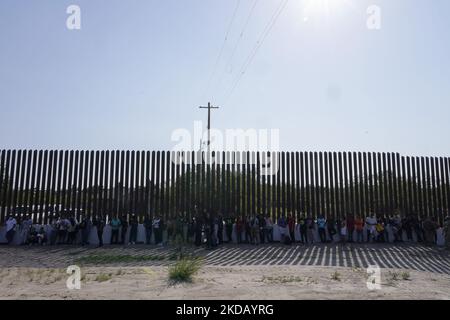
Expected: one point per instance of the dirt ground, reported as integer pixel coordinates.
(233, 282)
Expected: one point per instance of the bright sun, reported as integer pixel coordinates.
(326, 8)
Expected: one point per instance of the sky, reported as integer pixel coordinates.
(137, 71)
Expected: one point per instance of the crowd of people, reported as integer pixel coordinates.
(213, 230)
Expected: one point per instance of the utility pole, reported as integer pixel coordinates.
(209, 107)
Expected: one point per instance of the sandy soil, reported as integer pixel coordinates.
(240, 282)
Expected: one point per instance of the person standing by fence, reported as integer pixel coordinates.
(447, 231)
(268, 228)
(430, 227)
(408, 227)
(229, 228)
(63, 226)
(157, 229)
(10, 229)
(239, 227)
(25, 227)
(42, 236)
(396, 224)
(148, 225)
(303, 230)
(133, 229)
(343, 231)
(85, 227)
(359, 227)
(291, 226)
(331, 227)
(99, 223)
(220, 228)
(124, 229)
(262, 228)
(310, 226)
(72, 230)
(214, 232)
(115, 227)
(53, 229)
(321, 227)
(283, 227)
(198, 231)
(350, 227)
(417, 226)
(248, 229)
(191, 231)
(371, 223)
(207, 222)
(380, 228)
(254, 222)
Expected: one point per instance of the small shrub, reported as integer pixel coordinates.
(283, 279)
(406, 275)
(103, 277)
(184, 269)
(394, 275)
(336, 276)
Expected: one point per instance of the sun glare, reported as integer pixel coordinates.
(320, 8)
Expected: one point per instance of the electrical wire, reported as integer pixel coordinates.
(219, 56)
(241, 34)
(258, 45)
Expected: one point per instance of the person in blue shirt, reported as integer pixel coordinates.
(321, 225)
(115, 227)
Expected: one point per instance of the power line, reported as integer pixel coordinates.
(238, 3)
(258, 44)
(241, 34)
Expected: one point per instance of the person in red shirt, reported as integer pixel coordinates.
(359, 226)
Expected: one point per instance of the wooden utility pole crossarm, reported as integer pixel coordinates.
(209, 107)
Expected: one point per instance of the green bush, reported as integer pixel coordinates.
(406, 275)
(184, 269)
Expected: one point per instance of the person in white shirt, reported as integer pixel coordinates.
(10, 229)
(25, 227)
(157, 230)
(254, 223)
(343, 231)
(216, 232)
(371, 223)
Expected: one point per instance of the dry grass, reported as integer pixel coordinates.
(103, 277)
(336, 276)
(184, 270)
